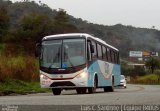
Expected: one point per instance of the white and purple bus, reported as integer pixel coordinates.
(78, 61)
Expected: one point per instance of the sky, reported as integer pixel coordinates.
(137, 13)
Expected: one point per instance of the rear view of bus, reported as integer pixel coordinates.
(65, 63)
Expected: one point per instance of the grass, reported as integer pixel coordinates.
(19, 67)
(147, 79)
(19, 74)
(10, 86)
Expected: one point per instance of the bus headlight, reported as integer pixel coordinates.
(82, 75)
(44, 77)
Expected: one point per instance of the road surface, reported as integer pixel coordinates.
(142, 95)
(133, 94)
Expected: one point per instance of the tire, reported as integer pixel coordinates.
(78, 90)
(56, 91)
(106, 89)
(81, 90)
(84, 90)
(93, 89)
(110, 88)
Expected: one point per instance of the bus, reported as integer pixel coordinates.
(77, 61)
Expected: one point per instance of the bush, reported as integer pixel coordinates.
(157, 72)
(19, 67)
(2, 48)
(148, 79)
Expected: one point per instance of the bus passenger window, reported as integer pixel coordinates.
(114, 57)
(118, 61)
(94, 55)
(108, 55)
(104, 53)
(89, 57)
(99, 51)
(111, 56)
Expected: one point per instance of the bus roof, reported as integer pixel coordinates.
(81, 35)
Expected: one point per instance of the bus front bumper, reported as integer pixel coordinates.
(78, 81)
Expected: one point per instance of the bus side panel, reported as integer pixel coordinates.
(92, 70)
(104, 72)
(117, 72)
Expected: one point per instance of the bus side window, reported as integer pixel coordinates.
(89, 57)
(117, 57)
(111, 56)
(118, 61)
(99, 49)
(94, 55)
(114, 55)
(108, 55)
(104, 53)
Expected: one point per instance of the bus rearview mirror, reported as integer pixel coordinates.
(38, 50)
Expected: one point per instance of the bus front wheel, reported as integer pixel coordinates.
(93, 89)
(56, 91)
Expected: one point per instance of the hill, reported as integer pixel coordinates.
(29, 21)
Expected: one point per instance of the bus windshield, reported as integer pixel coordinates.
(63, 53)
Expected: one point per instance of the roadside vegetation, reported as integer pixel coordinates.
(12, 86)
(150, 74)
(153, 79)
(19, 69)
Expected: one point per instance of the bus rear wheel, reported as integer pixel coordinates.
(56, 91)
(110, 88)
(81, 90)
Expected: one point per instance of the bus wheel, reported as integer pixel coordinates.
(84, 90)
(81, 90)
(93, 89)
(109, 88)
(78, 90)
(56, 91)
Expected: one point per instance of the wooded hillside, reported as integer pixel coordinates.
(24, 23)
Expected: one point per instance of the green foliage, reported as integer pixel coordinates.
(34, 27)
(157, 72)
(2, 48)
(9, 86)
(62, 24)
(125, 69)
(20, 67)
(125, 38)
(132, 71)
(4, 22)
(147, 79)
(152, 64)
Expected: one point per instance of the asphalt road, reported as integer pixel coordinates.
(133, 94)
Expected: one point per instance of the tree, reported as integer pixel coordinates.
(4, 22)
(62, 24)
(153, 64)
(31, 29)
(34, 27)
